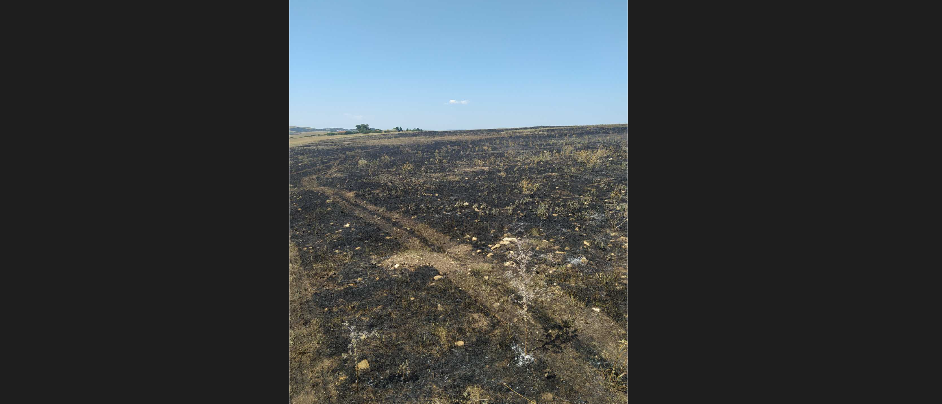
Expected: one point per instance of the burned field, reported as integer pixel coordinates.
(459, 267)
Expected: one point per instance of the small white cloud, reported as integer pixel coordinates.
(465, 102)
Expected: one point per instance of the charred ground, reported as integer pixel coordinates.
(472, 266)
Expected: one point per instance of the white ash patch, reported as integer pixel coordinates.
(522, 357)
(355, 338)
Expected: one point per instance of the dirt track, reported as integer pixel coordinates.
(595, 329)
(510, 310)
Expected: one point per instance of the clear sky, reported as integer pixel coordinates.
(471, 64)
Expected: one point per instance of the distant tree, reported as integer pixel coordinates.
(363, 128)
(398, 129)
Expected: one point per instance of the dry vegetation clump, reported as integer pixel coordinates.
(528, 187)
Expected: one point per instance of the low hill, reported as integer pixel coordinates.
(292, 130)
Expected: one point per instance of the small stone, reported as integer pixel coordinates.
(596, 309)
(490, 254)
(364, 365)
(485, 277)
(474, 239)
(459, 343)
(437, 277)
(396, 266)
(411, 298)
(585, 242)
(346, 225)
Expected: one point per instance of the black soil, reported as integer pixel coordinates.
(563, 189)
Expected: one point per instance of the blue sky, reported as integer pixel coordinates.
(515, 63)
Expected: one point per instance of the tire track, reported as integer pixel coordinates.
(595, 330)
